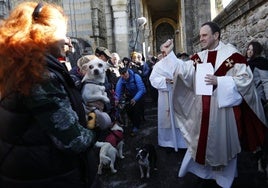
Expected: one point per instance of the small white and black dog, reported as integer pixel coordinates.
(111, 148)
(147, 158)
(93, 88)
(261, 157)
(263, 164)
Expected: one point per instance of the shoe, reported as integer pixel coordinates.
(132, 134)
(135, 129)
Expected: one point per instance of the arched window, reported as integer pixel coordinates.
(164, 31)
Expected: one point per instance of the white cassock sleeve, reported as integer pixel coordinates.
(228, 95)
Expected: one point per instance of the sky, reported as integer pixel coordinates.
(225, 2)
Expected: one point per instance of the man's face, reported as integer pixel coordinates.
(208, 40)
(103, 58)
(125, 75)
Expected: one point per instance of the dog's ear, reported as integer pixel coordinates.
(138, 156)
(91, 120)
(145, 150)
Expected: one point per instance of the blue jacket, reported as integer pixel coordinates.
(134, 85)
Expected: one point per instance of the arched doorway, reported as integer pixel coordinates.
(164, 29)
(163, 32)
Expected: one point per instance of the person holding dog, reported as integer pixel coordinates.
(259, 67)
(131, 86)
(44, 138)
(223, 118)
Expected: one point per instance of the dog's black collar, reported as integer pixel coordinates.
(93, 82)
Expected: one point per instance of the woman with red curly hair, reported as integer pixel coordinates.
(44, 141)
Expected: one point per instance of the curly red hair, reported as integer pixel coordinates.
(24, 42)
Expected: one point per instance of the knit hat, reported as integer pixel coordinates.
(103, 120)
(85, 59)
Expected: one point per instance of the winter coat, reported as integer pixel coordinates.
(43, 136)
(259, 67)
(134, 87)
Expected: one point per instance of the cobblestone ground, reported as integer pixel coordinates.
(128, 175)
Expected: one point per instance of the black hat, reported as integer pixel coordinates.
(122, 70)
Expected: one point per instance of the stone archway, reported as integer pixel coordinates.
(164, 29)
(163, 32)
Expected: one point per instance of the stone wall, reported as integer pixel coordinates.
(243, 21)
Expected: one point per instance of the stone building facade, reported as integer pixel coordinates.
(114, 23)
(244, 21)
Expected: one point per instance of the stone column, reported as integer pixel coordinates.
(120, 27)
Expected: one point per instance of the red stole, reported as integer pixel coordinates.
(202, 142)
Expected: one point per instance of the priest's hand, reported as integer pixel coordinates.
(169, 81)
(211, 79)
(167, 47)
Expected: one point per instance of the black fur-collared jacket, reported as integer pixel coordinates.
(43, 135)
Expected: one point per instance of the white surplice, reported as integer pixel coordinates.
(169, 134)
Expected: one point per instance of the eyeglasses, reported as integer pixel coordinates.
(37, 10)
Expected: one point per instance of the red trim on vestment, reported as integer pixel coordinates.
(203, 135)
(196, 59)
(229, 63)
(252, 131)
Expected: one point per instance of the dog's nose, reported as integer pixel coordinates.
(96, 72)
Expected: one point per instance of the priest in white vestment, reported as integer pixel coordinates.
(216, 126)
(161, 78)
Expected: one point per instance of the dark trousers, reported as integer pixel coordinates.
(135, 113)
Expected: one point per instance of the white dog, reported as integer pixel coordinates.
(93, 89)
(111, 148)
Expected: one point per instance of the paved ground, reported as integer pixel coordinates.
(128, 175)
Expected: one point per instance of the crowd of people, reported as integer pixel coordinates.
(44, 138)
